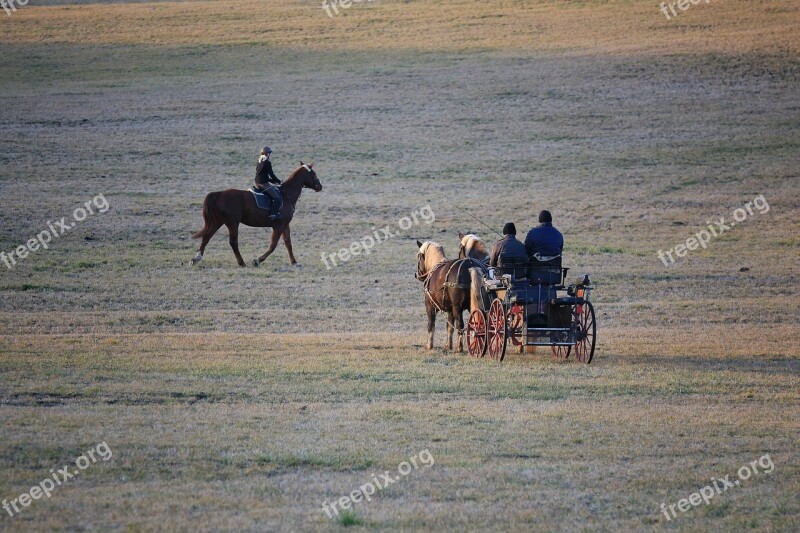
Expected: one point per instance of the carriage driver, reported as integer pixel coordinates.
(544, 244)
(265, 178)
(544, 240)
(508, 251)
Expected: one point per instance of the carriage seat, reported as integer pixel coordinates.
(516, 269)
(545, 271)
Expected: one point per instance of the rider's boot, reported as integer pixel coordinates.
(274, 214)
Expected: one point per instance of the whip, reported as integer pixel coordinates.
(474, 218)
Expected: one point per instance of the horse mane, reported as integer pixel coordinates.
(293, 174)
(474, 246)
(473, 242)
(435, 257)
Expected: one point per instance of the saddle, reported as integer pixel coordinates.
(270, 199)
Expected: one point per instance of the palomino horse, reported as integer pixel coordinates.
(472, 246)
(450, 287)
(233, 207)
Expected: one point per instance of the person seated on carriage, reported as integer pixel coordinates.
(544, 245)
(266, 178)
(508, 253)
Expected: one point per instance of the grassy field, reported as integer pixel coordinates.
(242, 399)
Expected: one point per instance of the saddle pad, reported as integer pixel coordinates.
(261, 199)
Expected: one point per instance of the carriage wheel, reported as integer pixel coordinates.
(587, 329)
(476, 333)
(496, 323)
(561, 352)
(515, 320)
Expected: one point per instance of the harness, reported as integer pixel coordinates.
(426, 281)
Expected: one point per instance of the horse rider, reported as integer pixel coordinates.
(508, 251)
(266, 180)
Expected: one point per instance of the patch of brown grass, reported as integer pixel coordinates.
(613, 27)
(252, 432)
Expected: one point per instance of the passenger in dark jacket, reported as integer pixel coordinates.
(508, 250)
(544, 239)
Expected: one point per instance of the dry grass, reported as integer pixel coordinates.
(599, 27)
(254, 432)
(243, 398)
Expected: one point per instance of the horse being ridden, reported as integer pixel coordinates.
(450, 286)
(233, 207)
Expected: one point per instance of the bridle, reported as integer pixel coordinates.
(316, 186)
(421, 274)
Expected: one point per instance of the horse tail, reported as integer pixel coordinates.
(209, 213)
(476, 289)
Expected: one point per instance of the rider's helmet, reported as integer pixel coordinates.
(266, 150)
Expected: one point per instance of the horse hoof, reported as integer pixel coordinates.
(297, 265)
(255, 262)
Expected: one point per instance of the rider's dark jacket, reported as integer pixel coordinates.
(264, 173)
(508, 251)
(544, 239)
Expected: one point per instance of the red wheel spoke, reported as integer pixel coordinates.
(497, 330)
(561, 352)
(476, 333)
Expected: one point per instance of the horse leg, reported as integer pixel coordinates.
(448, 343)
(460, 326)
(233, 239)
(204, 243)
(273, 243)
(431, 324)
(287, 240)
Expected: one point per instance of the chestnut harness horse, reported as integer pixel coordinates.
(450, 286)
(458, 264)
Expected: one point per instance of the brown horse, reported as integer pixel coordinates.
(450, 287)
(233, 207)
(472, 246)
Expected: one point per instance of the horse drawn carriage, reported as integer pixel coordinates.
(530, 305)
